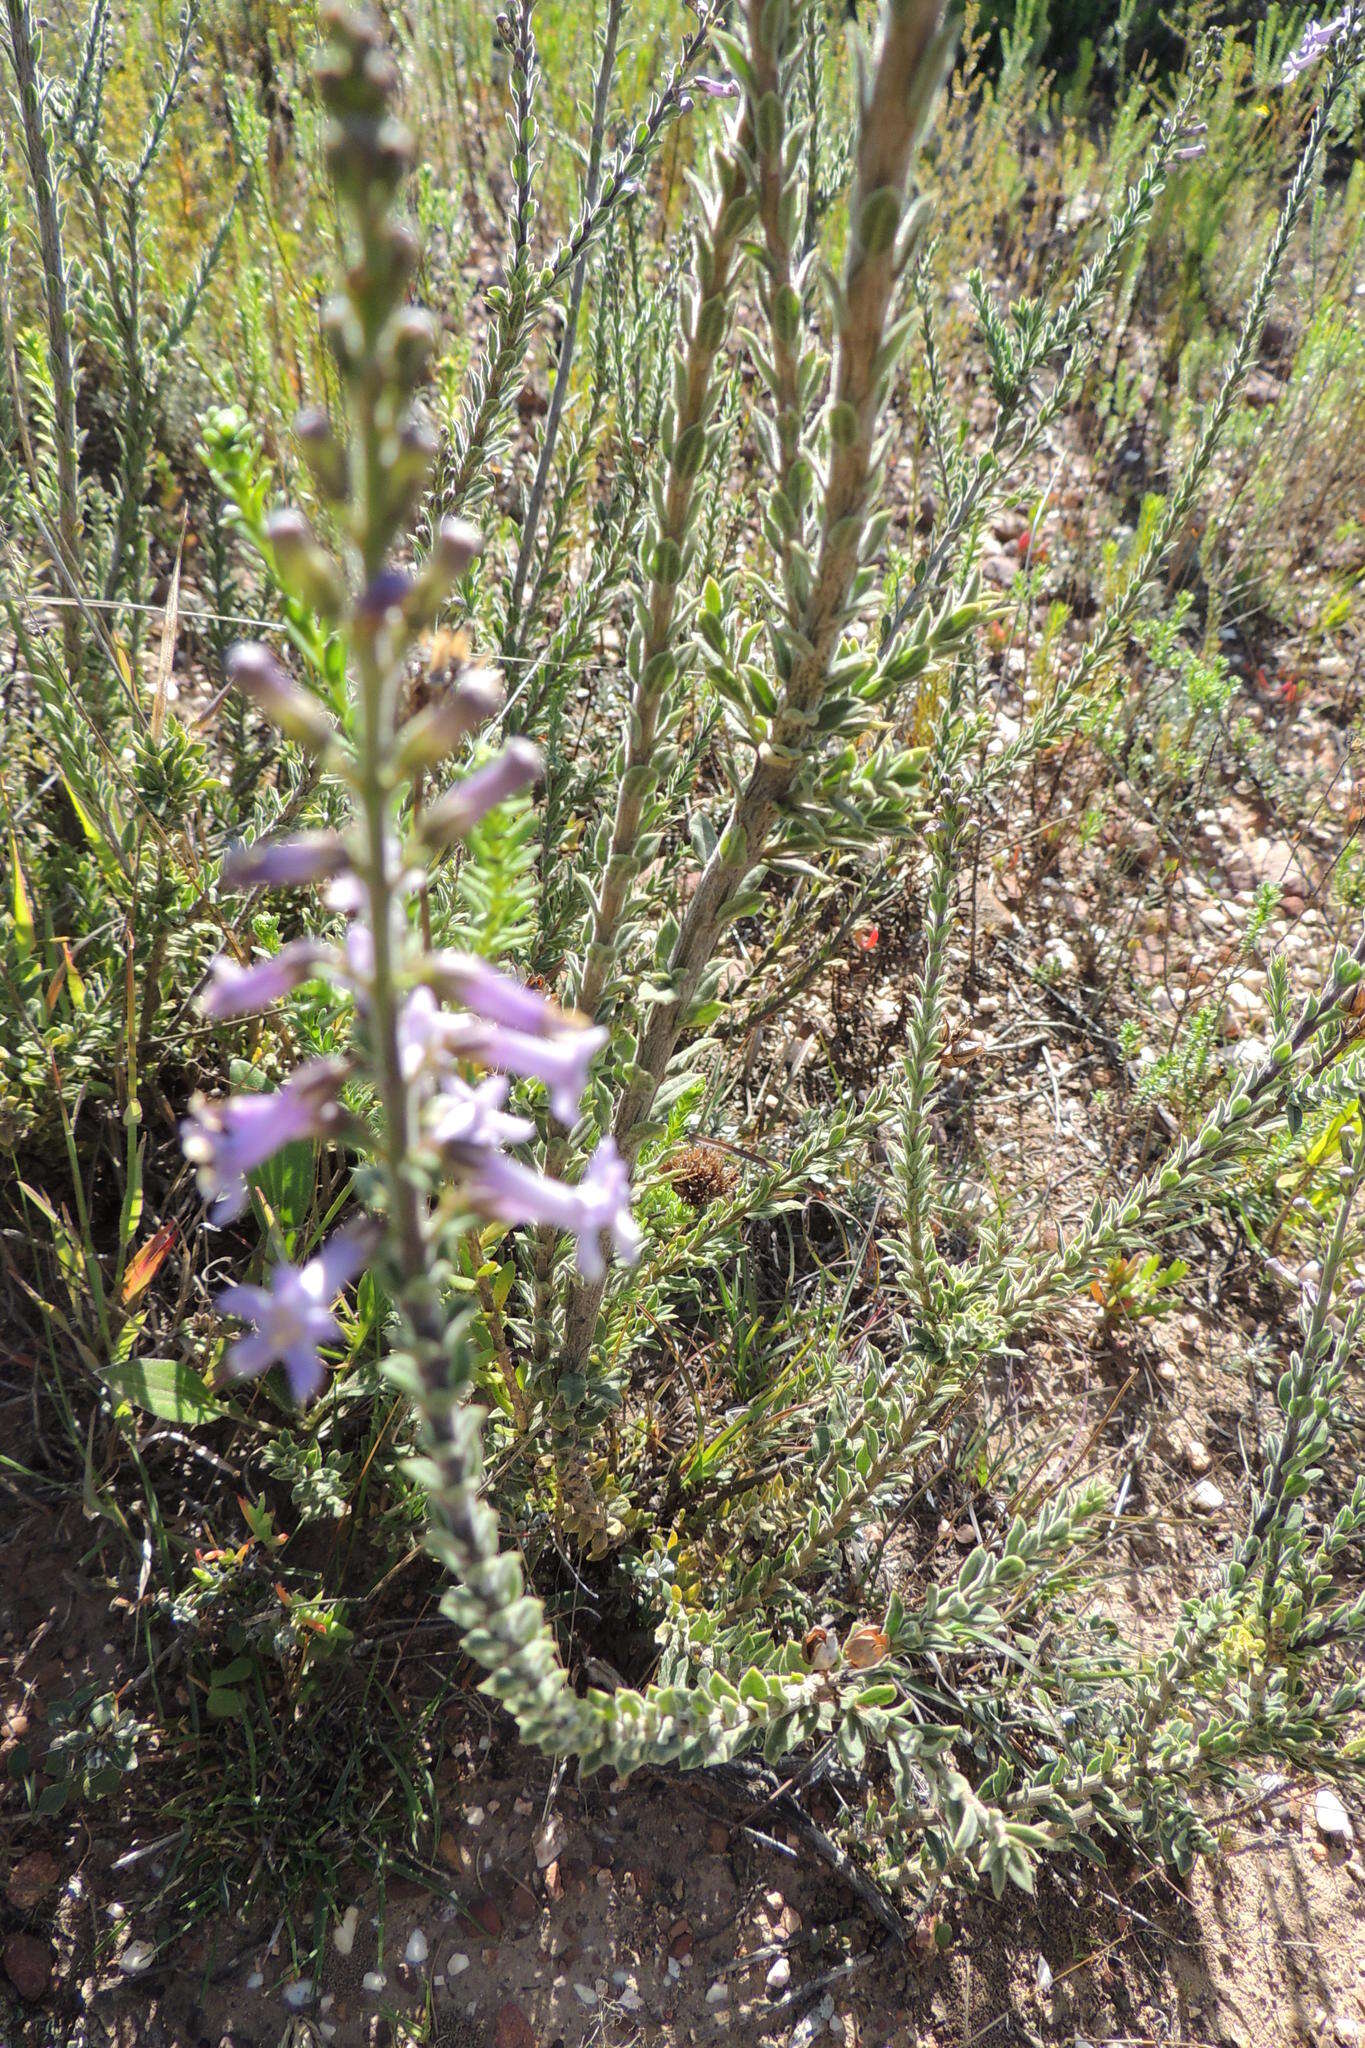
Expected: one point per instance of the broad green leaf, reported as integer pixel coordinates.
(165, 1388)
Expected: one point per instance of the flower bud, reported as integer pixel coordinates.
(304, 565)
(254, 671)
(411, 344)
(389, 262)
(435, 732)
(323, 452)
(285, 863)
(455, 815)
(456, 546)
(417, 448)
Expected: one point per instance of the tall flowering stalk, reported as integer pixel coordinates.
(423, 1093)
(437, 1036)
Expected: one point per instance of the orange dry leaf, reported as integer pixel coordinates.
(145, 1264)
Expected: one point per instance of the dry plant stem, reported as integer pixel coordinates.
(654, 668)
(563, 367)
(47, 211)
(1013, 438)
(904, 82)
(770, 189)
(655, 663)
(1058, 718)
(501, 361)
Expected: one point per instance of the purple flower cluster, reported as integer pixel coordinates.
(456, 1013)
(293, 1316)
(1317, 42)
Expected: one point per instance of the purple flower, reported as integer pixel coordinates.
(465, 1118)
(455, 815)
(716, 88)
(285, 863)
(464, 978)
(228, 1139)
(1318, 38)
(561, 1063)
(504, 1189)
(423, 1037)
(293, 1314)
(235, 990)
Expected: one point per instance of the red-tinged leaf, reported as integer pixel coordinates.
(146, 1263)
(75, 986)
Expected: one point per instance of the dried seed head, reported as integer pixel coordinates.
(700, 1174)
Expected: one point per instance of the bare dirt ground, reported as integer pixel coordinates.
(666, 1915)
(552, 1914)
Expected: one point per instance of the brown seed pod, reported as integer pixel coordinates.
(865, 1646)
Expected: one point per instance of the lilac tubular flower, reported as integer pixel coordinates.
(511, 1193)
(497, 998)
(468, 1119)
(235, 990)
(285, 863)
(1317, 41)
(455, 815)
(227, 1140)
(423, 1037)
(293, 1314)
(715, 88)
(561, 1063)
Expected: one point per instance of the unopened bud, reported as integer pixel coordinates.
(324, 454)
(456, 814)
(254, 671)
(435, 732)
(411, 344)
(456, 546)
(304, 565)
(416, 451)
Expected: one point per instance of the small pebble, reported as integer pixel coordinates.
(343, 1935)
(255, 1981)
(585, 1994)
(299, 1994)
(416, 1951)
(373, 1980)
(550, 1840)
(1206, 1499)
(1332, 1818)
(137, 1957)
(457, 1964)
(780, 1975)
(719, 1992)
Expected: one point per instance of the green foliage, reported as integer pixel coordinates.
(740, 582)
